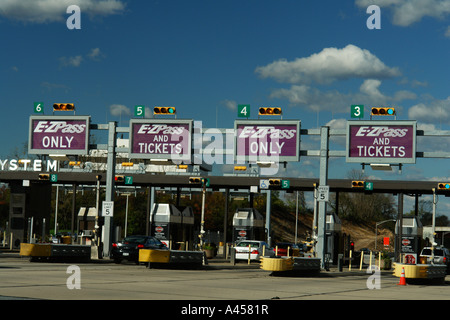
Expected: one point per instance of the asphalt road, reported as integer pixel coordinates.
(219, 281)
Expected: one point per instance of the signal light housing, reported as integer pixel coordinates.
(383, 111)
(270, 111)
(63, 107)
(357, 184)
(44, 176)
(444, 186)
(240, 168)
(274, 182)
(119, 179)
(195, 180)
(127, 164)
(164, 110)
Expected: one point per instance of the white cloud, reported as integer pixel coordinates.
(436, 111)
(335, 101)
(71, 61)
(230, 104)
(75, 61)
(95, 54)
(408, 12)
(329, 65)
(45, 11)
(118, 110)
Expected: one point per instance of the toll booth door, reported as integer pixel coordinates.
(17, 218)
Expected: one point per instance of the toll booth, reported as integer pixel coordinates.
(187, 228)
(165, 223)
(248, 224)
(29, 212)
(333, 233)
(412, 235)
(86, 220)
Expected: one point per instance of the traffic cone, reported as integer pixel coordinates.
(402, 278)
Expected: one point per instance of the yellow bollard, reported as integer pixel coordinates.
(379, 260)
(361, 262)
(370, 262)
(350, 261)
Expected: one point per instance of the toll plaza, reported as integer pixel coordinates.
(172, 142)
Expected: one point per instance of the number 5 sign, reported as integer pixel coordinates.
(107, 208)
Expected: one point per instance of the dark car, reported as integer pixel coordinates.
(128, 248)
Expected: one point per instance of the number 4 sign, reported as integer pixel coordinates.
(243, 110)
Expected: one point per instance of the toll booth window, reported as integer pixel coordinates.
(17, 210)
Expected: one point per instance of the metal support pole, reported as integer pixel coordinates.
(225, 220)
(400, 227)
(268, 207)
(202, 222)
(323, 181)
(433, 226)
(110, 174)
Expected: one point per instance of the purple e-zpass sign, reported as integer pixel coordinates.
(381, 141)
(59, 135)
(256, 140)
(160, 139)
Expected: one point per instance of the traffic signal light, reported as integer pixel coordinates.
(119, 179)
(63, 107)
(195, 180)
(382, 112)
(270, 111)
(127, 164)
(44, 176)
(357, 184)
(274, 182)
(444, 186)
(164, 110)
(199, 180)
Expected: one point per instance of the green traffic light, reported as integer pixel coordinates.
(390, 111)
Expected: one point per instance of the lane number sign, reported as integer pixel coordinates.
(243, 110)
(357, 111)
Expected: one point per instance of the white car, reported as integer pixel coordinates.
(257, 250)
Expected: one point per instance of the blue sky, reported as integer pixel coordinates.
(204, 57)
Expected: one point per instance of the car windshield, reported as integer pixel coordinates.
(136, 239)
(437, 252)
(247, 243)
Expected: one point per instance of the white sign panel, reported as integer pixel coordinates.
(107, 208)
(264, 184)
(323, 193)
